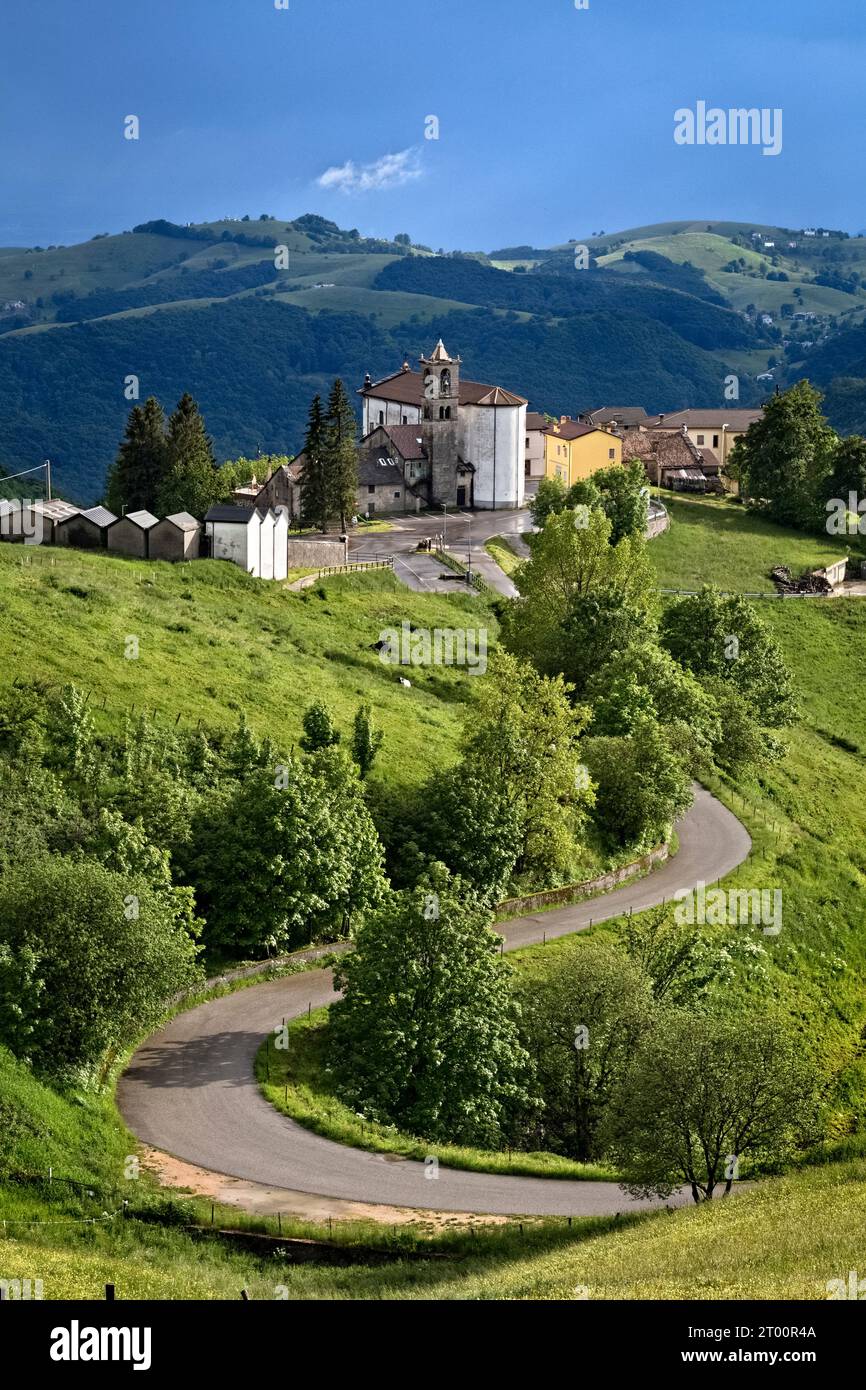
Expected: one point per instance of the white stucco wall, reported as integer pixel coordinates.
(393, 411)
(266, 547)
(239, 544)
(495, 435)
(281, 543)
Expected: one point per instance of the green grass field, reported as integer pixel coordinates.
(213, 642)
(714, 541)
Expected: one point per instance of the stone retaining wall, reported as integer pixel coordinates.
(575, 892)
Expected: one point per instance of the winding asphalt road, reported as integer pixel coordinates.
(190, 1091)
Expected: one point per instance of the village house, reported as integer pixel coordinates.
(715, 430)
(671, 460)
(533, 461)
(574, 450)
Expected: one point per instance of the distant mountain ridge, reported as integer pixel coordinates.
(255, 316)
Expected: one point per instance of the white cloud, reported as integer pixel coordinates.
(391, 171)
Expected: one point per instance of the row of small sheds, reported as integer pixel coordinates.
(139, 533)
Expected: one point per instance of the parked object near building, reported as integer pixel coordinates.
(130, 534)
(177, 537)
(86, 530)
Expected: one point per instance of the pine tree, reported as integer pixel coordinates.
(319, 729)
(190, 483)
(366, 740)
(341, 454)
(315, 508)
(142, 460)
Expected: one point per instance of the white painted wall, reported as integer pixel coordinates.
(281, 543)
(499, 432)
(392, 410)
(237, 542)
(266, 546)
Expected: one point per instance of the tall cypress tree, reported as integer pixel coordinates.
(190, 482)
(315, 500)
(136, 476)
(341, 455)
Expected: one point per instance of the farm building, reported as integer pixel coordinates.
(256, 541)
(130, 534)
(32, 522)
(85, 530)
(177, 537)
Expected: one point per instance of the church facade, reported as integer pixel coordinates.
(465, 441)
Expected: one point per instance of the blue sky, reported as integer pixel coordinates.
(554, 122)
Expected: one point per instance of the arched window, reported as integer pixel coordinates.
(445, 383)
(381, 417)
(427, 413)
(447, 412)
(441, 412)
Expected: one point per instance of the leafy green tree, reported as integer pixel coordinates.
(521, 754)
(848, 477)
(715, 634)
(88, 958)
(315, 493)
(191, 483)
(623, 493)
(549, 500)
(783, 459)
(366, 740)
(644, 681)
(319, 728)
(641, 785)
(595, 628)
(584, 1008)
(683, 962)
(341, 455)
(569, 563)
(138, 472)
(707, 1090)
(425, 1036)
(310, 854)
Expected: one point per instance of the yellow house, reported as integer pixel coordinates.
(573, 450)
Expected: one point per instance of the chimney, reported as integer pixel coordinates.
(406, 367)
(563, 419)
(661, 418)
(368, 381)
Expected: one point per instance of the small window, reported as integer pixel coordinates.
(715, 441)
(397, 496)
(381, 417)
(372, 488)
(405, 419)
(700, 439)
(527, 441)
(611, 453)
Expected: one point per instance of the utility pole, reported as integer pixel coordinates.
(48, 478)
(445, 526)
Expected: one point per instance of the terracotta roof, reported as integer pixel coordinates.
(406, 439)
(706, 419)
(616, 414)
(572, 429)
(535, 421)
(377, 469)
(407, 388)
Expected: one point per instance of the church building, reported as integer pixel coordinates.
(461, 443)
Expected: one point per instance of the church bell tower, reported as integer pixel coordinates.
(440, 414)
